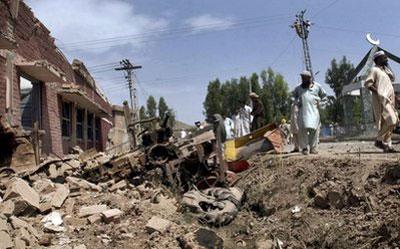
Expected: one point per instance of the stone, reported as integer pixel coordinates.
(17, 223)
(19, 243)
(80, 183)
(7, 208)
(69, 205)
(90, 210)
(111, 215)
(74, 163)
(321, 201)
(45, 207)
(96, 218)
(156, 224)
(119, 185)
(53, 173)
(81, 246)
(45, 240)
(335, 199)
(20, 188)
(265, 244)
(5, 240)
(3, 224)
(208, 239)
(44, 187)
(60, 195)
(24, 235)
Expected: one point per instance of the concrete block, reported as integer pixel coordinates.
(5, 240)
(20, 188)
(90, 210)
(60, 195)
(7, 208)
(96, 218)
(158, 224)
(111, 214)
(119, 185)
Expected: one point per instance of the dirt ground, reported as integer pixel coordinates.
(348, 196)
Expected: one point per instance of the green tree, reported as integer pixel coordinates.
(336, 77)
(142, 113)
(162, 107)
(338, 74)
(151, 107)
(275, 96)
(213, 101)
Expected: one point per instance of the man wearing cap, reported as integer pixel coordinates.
(379, 81)
(308, 97)
(257, 112)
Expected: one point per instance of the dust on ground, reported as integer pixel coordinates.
(348, 196)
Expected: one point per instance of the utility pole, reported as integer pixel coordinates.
(302, 28)
(127, 66)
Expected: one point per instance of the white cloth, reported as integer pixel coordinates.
(229, 128)
(308, 101)
(242, 121)
(308, 137)
(183, 134)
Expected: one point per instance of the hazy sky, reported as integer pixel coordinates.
(183, 44)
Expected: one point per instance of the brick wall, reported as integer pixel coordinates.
(35, 43)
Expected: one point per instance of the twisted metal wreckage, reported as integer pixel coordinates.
(194, 166)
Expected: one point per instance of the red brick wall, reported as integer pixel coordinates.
(35, 43)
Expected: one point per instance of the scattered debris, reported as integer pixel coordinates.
(52, 222)
(215, 206)
(91, 210)
(156, 224)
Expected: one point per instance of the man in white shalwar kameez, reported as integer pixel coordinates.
(308, 97)
(229, 127)
(379, 81)
(243, 120)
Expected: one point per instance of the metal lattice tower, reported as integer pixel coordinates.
(127, 66)
(302, 28)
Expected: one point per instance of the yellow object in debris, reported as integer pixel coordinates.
(233, 146)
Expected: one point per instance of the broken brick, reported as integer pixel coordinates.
(90, 210)
(111, 214)
(60, 195)
(5, 240)
(156, 224)
(20, 188)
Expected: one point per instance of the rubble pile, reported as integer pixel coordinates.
(321, 202)
(89, 199)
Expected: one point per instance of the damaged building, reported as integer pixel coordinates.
(40, 90)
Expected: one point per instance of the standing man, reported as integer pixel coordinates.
(379, 82)
(229, 127)
(258, 112)
(308, 97)
(243, 119)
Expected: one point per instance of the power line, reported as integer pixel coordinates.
(355, 31)
(324, 8)
(173, 31)
(167, 37)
